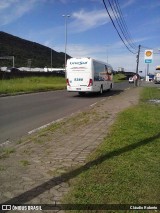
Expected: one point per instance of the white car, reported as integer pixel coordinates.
(131, 80)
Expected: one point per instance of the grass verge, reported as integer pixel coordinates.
(5, 152)
(37, 84)
(119, 77)
(31, 84)
(125, 167)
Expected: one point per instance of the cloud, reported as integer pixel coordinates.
(152, 22)
(116, 53)
(79, 21)
(64, 1)
(11, 10)
(151, 6)
(128, 3)
(77, 50)
(84, 20)
(99, 52)
(4, 4)
(154, 6)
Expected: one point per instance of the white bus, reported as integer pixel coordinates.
(88, 75)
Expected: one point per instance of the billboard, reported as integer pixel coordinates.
(148, 56)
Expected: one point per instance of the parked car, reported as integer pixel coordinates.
(157, 78)
(131, 80)
(14, 69)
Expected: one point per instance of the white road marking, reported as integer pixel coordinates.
(127, 88)
(58, 120)
(93, 104)
(5, 143)
(103, 99)
(44, 126)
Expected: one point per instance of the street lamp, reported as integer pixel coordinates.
(51, 59)
(107, 51)
(66, 17)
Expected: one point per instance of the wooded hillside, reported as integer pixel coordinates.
(27, 53)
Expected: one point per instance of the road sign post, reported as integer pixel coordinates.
(148, 58)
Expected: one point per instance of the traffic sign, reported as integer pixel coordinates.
(148, 61)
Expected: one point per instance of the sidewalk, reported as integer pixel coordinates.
(39, 171)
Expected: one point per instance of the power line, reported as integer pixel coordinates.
(120, 23)
(116, 27)
(121, 27)
(123, 24)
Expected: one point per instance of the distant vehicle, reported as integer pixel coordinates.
(14, 69)
(88, 75)
(131, 80)
(61, 72)
(157, 78)
(151, 77)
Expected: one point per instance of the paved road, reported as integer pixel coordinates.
(23, 113)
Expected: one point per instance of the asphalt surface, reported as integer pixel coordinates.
(22, 114)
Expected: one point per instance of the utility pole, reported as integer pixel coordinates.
(65, 60)
(139, 47)
(29, 63)
(13, 61)
(107, 51)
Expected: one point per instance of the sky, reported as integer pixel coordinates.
(90, 32)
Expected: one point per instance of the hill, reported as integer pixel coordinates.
(26, 52)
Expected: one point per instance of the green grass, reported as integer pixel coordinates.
(24, 162)
(31, 84)
(150, 93)
(36, 84)
(125, 167)
(119, 77)
(5, 152)
(2, 168)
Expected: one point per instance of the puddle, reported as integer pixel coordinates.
(156, 101)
